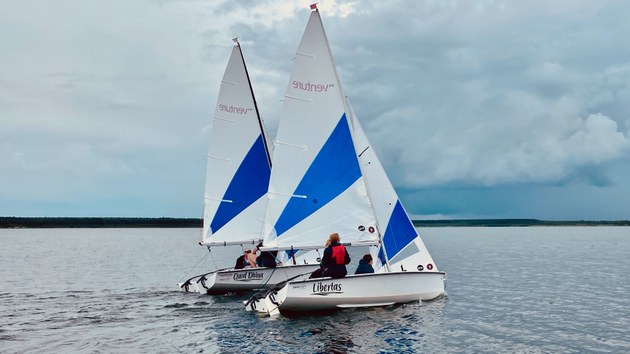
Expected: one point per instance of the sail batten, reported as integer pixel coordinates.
(298, 98)
(224, 119)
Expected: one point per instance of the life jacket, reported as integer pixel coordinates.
(339, 254)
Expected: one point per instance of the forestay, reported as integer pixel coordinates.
(316, 185)
(239, 165)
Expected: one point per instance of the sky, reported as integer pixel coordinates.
(477, 109)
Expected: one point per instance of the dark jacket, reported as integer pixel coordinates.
(241, 262)
(334, 261)
(364, 267)
(267, 259)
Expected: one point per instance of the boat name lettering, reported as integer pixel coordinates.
(311, 87)
(320, 287)
(233, 109)
(248, 276)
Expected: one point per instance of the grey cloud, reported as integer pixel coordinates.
(458, 94)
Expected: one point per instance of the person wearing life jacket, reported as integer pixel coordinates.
(335, 258)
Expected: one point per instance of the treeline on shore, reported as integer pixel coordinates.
(95, 222)
(518, 222)
(109, 222)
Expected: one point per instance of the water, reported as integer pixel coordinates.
(537, 289)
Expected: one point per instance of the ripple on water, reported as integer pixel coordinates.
(528, 290)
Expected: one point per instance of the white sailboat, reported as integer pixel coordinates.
(237, 177)
(326, 178)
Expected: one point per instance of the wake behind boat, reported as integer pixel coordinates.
(327, 179)
(237, 178)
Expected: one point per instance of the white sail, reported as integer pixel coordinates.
(409, 274)
(316, 185)
(401, 244)
(239, 165)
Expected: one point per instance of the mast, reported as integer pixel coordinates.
(316, 186)
(348, 109)
(249, 83)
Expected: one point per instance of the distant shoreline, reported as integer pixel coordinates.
(112, 222)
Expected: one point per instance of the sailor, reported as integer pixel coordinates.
(266, 258)
(247, 259)
(250, 257)
(365, 265)
(335, 258)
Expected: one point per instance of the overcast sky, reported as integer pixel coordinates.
(477, 109)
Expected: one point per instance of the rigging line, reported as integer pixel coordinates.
(270, 275)
(251, 90)
(196, 264)
(213, 260)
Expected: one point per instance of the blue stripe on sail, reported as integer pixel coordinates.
(291, 253)
(381, 255)
(399, 232)
(334, 169)
(249, 183)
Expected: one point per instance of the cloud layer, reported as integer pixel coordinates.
(104, 107)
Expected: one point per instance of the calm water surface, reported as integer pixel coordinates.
(537, 289)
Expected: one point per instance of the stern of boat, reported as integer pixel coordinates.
(268, 303)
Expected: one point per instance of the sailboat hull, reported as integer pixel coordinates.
(364, 290)
(248, 279)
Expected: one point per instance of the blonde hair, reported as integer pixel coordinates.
(334, 237)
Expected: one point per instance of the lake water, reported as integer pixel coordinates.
(536, 289)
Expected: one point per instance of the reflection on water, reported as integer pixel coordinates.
(557, 289)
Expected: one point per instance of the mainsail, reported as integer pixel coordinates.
(316, 185)
(326, 176)
(239, 163)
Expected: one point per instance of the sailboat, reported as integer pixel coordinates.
(327, 179)
(237, 177)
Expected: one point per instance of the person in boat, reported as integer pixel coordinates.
(250, 256)
(335, 258)
(247, 259)
(266, 258)
(241, 262)
(365, 265)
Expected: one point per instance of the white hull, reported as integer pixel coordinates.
(247, 279)
(189, 287)
(364, 290)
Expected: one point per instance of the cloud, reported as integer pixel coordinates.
(111, 100)
(488, 93)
